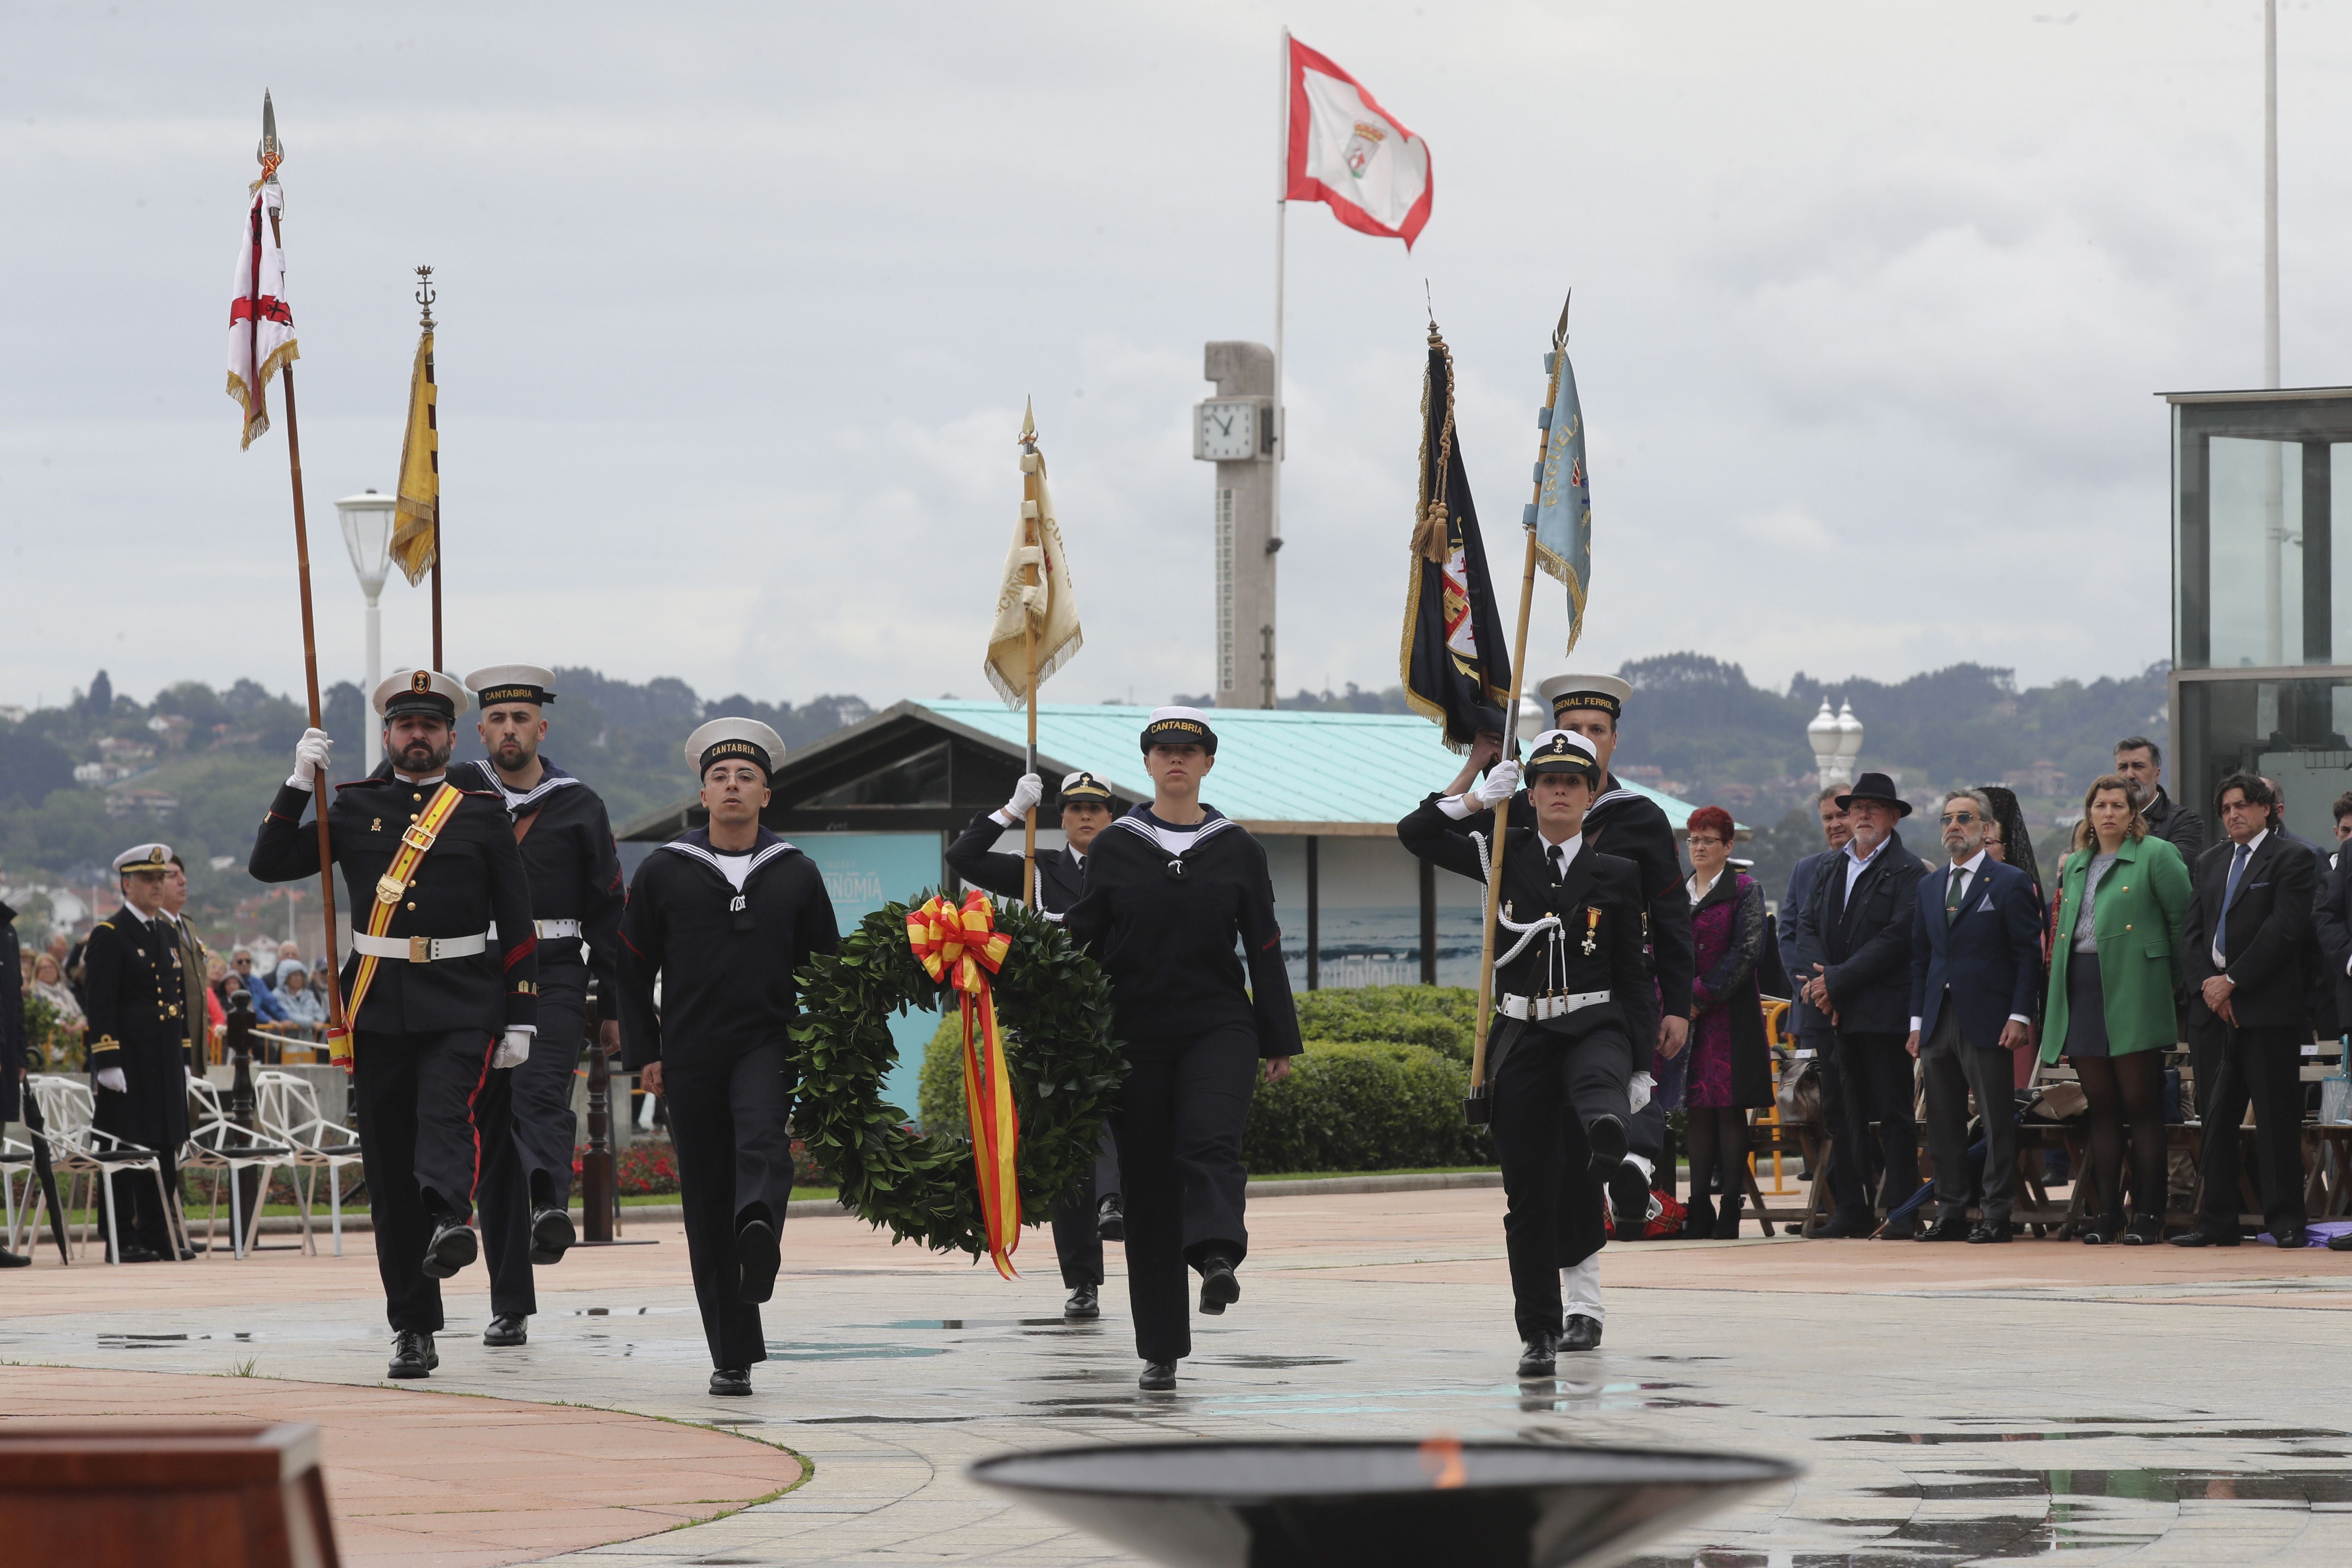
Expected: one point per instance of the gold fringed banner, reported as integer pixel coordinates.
(963, 947)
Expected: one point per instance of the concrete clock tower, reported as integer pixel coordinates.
(1239, 429)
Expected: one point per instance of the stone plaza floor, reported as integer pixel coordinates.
(1951, 1403)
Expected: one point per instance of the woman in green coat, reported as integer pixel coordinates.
(2114, 967)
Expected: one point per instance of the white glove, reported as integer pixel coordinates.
(310, 758)
(1638, 1089)
(1501, 782)
(513, 1051)
(111, 1078)
(1025, 796)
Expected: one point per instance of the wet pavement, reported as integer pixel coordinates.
(2056, 1402)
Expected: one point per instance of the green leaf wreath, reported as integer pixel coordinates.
(1053, 1005)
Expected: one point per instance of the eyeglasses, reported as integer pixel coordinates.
(1950, 817)
(1707, 838)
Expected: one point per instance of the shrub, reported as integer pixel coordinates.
(1442, 1017)
(643, 1168)
(1363, 1105)
(938, 1091)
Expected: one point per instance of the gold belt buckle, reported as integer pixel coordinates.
(417, 836)
(387, 889)
(420, 949)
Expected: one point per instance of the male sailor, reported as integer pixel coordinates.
(1575, 1017)
(136, 977)
(436, 1001)
(525, 1112)
(1092, 1215)
(721, 918)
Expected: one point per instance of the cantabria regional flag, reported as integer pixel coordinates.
(260, 327)
(1348, 151)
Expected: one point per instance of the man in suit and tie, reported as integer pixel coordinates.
(1808, 1026)
(1975, 943)
(2249, 921)
(1862, 912)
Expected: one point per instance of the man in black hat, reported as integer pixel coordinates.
(1861, 924)
(1092, 1215)
(525, 1112)
(1575, 1021)
(434, 1001)
(721, 918)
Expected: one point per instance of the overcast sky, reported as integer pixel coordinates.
(740, 305)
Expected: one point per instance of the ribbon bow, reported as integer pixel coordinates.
(963, 947)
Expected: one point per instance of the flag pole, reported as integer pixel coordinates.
(1281, 251)
(1029, 535)
(270, 156)
(1478, 1085)
(425, 295)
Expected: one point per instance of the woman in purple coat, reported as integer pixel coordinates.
(1731, 1062)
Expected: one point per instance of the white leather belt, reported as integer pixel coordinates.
(547, 929)
(420, 949)
(1559, 1004)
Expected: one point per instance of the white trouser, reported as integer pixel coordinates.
(1579, 1289)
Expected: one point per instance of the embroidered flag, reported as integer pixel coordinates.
(1561, 513)
(1455, 665)
(416, 517)
(1050, 603)
(1348, 151)
(260, 327)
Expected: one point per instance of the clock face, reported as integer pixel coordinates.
(1228, 432)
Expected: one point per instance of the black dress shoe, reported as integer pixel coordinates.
(1537, 1356)
(2340, 1243)
(757, 1254)
(1082, 1304)
(11, 1260)
(1219, 1288)
(2198, 1236)
(1945, 1230)
(2291, 1237)
(551, 1235)
(2104, 1231)
(1583, 1334)
(132, 1252)
(1844, 1228)
(1110, 1220)
(507, 1329)
(412, 1355)
(1605, 1136)
(1989, 1231)
(452, 1247)
(1159, 1376)
(1629, 1200)
(1901, 1230)
(731, 1381)
(2146, 1230)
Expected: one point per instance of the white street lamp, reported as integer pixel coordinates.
(367, 530)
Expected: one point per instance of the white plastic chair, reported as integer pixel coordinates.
(220, 1146)
(288, 1109)
(16, 1159)
(78, 1149)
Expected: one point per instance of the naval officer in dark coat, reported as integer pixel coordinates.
(1575, 1022)
(436, 1003)
(525, 1112)
(1092, 1215)
(138, 1046)
(1179, 910)
(721, 918)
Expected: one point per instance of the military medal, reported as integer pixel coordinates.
(1591, 928)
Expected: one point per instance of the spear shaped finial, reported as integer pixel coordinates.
(1559, 333)
(270, 151)
(1029, 422)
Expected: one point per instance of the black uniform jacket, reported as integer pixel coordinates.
(138, 1003)
(725, 961)
(1864, 938)
(566, 839)
(2264, 934)
(2332, 914)
(471, 879)
(1167, 937)
(1600, 894)
(1061, 876)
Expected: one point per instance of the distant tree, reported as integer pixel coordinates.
(100, 700)
(31, 765)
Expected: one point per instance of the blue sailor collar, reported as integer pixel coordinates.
(551, 778)
(1139, 821)
(696, 846)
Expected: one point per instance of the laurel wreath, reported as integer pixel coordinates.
(1054, 1005)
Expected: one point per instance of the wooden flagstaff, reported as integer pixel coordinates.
(1478, 1085)
(1031, 505)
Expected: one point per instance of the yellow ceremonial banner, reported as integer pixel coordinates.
(416, 520)
(1049, 603)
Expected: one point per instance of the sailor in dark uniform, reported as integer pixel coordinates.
(721, 918)
(1092, 1215)
(1631, 826)
(443, 1002)
(139, 1049)
(1574, 1017)
(1172, 890)
(528, 1126)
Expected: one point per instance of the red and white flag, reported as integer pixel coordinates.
(1348, 151)
(260, 327)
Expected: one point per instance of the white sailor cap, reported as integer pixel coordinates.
(1179, 727)
(734, 738)
(420, 691)
(1568, 693)
(496, 683)
(1080, 787)
(1563, 751)
(143, 857)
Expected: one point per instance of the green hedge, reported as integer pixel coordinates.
(938, 1091)
(1440, 1016)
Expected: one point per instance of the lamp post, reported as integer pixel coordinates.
(367, 530)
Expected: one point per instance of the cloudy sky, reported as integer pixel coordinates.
(740, 305)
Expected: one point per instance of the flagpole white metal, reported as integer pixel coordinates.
(1281, 225)
(2275, 453)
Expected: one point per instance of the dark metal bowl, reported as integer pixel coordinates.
(1369, 1504)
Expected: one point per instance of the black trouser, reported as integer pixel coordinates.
(2261, 1065)
(415, 1096)
(528, 1131)
(1078, 1243)
(1547, 1087)
(729, 1119)
(1878, 1079)
(1955, 1070)
(138, 1216)
(143, 1115)
(1846, 1165)
(1179, 1127)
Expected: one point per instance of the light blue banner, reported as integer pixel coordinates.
(1561, 513)
(863, 872)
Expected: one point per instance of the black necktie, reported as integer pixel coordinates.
(1558, 863)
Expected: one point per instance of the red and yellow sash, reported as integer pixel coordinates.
(963, 947)
(414, 840)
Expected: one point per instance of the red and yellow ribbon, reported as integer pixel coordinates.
(963, 947)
